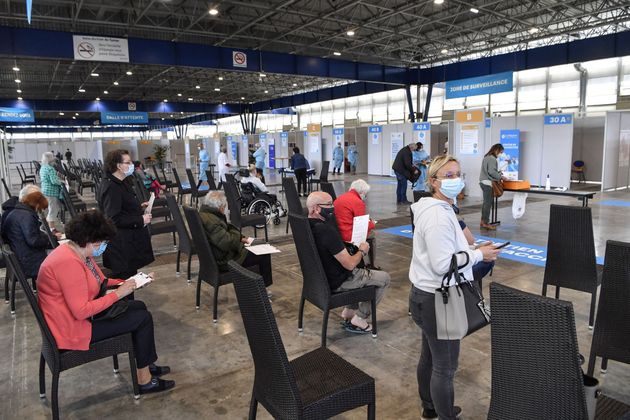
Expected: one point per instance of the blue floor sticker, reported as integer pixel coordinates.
(616, 203)
(516, 251)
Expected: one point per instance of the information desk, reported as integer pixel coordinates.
(582, 196)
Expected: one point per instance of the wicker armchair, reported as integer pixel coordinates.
(611, 338)
(185, 242)
(327, 187)
(240, 220)
(315, 288)
(316, 385)
(571, 253)
(181, 191)
(293, 200)
(195, 192)
(323, 176)
(61, 360)
(212, 185)
(535, 358)
(208, 269)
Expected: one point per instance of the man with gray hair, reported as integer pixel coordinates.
(350, 205)
(226, 240)
(343, 270)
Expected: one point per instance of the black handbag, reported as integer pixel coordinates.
(118, 308)
(460, 309)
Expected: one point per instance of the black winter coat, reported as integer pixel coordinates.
(131, 248)
(403, 164)
(28, 242)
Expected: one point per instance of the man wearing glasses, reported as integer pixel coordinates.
(342, 269)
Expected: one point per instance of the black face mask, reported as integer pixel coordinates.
(327, 212)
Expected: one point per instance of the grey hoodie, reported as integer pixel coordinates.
(436, 238)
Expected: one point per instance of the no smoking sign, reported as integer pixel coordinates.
(239, 59)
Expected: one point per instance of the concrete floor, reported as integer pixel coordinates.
(212, 363)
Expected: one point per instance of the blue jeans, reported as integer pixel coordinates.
(438, 358)
(401, 188)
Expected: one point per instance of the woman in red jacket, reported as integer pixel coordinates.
(69, 281)
(350, 205)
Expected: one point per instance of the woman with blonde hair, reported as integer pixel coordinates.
(437, 237)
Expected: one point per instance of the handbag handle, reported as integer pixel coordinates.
(454, 270)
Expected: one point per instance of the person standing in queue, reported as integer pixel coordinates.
(204, 161)
(131, 248)
(405, 171)
(489, 172)
(437, 237)
(260, 155)
(299, 164)
(337, 158)
(353, 157)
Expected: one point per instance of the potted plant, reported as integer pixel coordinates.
(159, 151)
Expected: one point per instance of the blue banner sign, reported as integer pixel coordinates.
(16, 115)
(234, 148)
(272, 156)
(337, 131)
(421, 126)
(110, 117)
(509, 159)
(557, 119)
(262, 137)
(375, 129)
(493, 83)
(488, 122)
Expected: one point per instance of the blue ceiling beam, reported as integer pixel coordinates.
(38, 43)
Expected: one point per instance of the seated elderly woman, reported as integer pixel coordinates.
(77, 314)
(226, 241)
(21, 230)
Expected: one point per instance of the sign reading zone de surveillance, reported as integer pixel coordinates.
(114, 118)
(493, 83)
(100, 48)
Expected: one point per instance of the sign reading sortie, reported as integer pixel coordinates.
(16, 115)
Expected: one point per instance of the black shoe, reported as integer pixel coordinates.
(405, 202)
(158, 370)
(156, 385)
(432, 414)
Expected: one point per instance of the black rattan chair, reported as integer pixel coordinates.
(293, 200)
(611, 338)
(6, 188)
(61, 360)
(323, 176)
(164, 180)
(181, 191)
(536, 370)
(315, 286)
(316, 385)
(195, 193)
(185, 242)
(327, 187)
(242, 220)
(208, 269)
(571, 253)
(212, 185)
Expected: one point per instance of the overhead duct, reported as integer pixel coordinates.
(583, 82)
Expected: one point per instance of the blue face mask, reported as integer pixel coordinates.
(130, 170)
(99, 251)
(451, 187)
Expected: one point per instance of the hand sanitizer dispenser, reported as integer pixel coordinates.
(548, 183)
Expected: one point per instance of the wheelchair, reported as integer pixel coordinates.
(253, 201)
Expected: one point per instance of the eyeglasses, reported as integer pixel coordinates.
(449, 175)
(326, 204)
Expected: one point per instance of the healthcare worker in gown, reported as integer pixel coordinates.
(353, 157)
(337, 159)
(260, 155)
(223, 164)
(204, 161)
(420, 159)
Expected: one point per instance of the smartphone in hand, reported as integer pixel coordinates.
(503, 245)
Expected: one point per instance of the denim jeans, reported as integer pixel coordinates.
(401, 188)
(438, 358)
(488, 197)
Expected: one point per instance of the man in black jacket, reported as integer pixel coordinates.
(404, 170)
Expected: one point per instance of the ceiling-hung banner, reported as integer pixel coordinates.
(16, 115)
(100, 48)
(109, 117)
(483, 85)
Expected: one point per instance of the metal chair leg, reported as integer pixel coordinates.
(325, 326)
(301, 314)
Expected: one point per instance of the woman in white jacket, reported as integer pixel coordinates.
(436, 238)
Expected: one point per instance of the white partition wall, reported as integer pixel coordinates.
(243, 156)
(469, 143)
(313, 147)
(271, 150)
(616, 171)
(282, 150)
(588, 146)
(361, 137)
(375, 150)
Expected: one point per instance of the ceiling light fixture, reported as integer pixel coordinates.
(162, 118)
(74, 118)
(190, 99)
(197, 87)
(438, 1)
(105, 92)
(16, 69)
(179, 94)
(129, 73)
(266, 91)
(222, 103)
(350, 33)
(18, 81)
(337, 53)
(62, 113)
(19, 98)
(242, 98)
(263, 75)
(444, 51)
(76, 113)
(94, 74)
(98, 99)
(220, 77)
(82, 90)
(533, 30)
(294, 84)
(115, 83)
(19, 91)
(165, 100)
(474, 10)
(217, 90)
(213, 12)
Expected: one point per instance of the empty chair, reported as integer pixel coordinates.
(293, 200)
(327, 187)
(195, 193)
(611, 338)
(242, 220)
(25, 179)
(315, 287)
(323, 176)
(62, 360)
(185, 242)
(208, 269)
(212, 185)
(181, 191)
(316, 385)
(6, 188)
(571, 253)
(535, 358)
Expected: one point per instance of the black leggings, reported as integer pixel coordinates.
(138, 321)
(264, 266)
(300, 176)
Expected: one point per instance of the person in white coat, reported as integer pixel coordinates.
(223, 164)
(437, 237)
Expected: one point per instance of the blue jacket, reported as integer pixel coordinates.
(298, 161)
(28, 242)
(353, 154)
(338, 154)
(260, 157)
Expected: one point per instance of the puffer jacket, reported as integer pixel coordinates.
(224, 238)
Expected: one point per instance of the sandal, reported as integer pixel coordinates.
(357, 330)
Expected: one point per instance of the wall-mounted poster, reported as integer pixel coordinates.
(469, 140)
(397, 141)
(509, 159)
